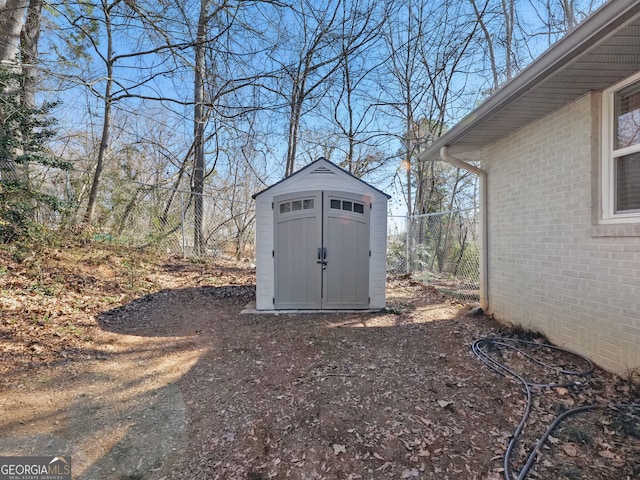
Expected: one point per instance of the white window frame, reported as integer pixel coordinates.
(608, 187)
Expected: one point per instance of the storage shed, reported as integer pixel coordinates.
(321, 242)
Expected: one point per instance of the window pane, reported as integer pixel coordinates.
(627, 116)
(296, 205)
(346, 205)
(358, 207)
(335, 204)
(285, 207)
(308, 204)
(628, 183)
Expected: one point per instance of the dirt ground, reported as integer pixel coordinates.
(144, 368)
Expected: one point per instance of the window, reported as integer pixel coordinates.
(621, 152)
(285, 207)
(347, 206)
(296, 205)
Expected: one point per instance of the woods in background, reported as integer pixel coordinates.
(208, 102)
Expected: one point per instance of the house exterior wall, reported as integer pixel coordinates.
(334, 180)
(551, 267)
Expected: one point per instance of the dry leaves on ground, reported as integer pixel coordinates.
(395, 394)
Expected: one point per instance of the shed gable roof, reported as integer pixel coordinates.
(601, 51)
(321, 166)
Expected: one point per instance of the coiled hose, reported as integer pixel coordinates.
(480, 349)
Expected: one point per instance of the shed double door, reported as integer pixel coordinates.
(321, 251)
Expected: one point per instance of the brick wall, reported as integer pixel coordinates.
(550, 268)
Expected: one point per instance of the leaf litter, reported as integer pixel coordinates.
(394, 394)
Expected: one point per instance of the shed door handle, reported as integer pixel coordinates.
(322, 256)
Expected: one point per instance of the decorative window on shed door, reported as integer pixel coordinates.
(621, 152)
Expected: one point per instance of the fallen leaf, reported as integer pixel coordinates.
(338, 449)
(427, 422)
(570, 450)
(413, 473)
(378, 456)
(607, 454)
(568, 402)
(493, 476)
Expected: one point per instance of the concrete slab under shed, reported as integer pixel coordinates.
(250, 308)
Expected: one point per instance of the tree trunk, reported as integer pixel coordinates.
(12, 18)
(407, 166)
(198, 130)
(489, 40)
(509, 20)
(441, 249)
(297, 97)
(127, 212)
(106, 124)
(463, 247)
(29, 44)
(29, 59)
(570, 20)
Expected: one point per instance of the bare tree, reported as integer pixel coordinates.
(360, 36)
(428, 47)
(306, 68)
(109, 60)
(558, 17)
(307, 63)
(199, 124)
(479, 12)
(127, 73)
(223, 86)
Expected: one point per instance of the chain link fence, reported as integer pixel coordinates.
(173, 221)
(438, 249)
(133, 213)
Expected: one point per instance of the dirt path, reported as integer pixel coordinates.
(177, 385)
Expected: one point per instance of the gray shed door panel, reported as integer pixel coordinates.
(321, 251)
(298, 223)
(346, 239)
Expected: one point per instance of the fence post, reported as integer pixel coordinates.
(184, 240)
(408, 244)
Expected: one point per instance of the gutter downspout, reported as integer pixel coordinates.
(482, 175)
